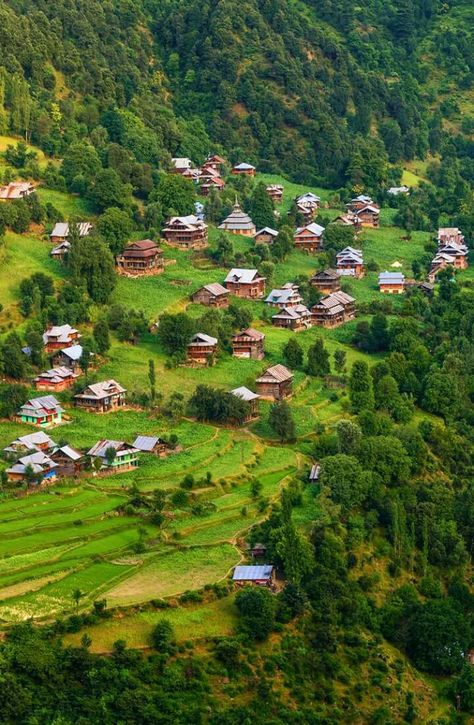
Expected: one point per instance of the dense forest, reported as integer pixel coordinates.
(328, 93)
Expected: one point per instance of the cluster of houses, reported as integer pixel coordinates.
(16, 190)
(361, 211)
(207, 177)
(452, 251)
(37, 459)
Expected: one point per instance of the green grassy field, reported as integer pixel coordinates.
(73, 537)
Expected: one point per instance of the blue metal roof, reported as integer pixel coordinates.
(252, 573)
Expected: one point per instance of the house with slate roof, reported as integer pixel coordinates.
(358, 202)
(60, 251)
(244, 170)
(309, 238)
(307, 205)
(333, 310)
(251, 398)
(287, 296)
(58, 337)
(38, 441)
(140, 258)
(238, 222)
(68, 461)
(275, 192)
(350, 263)
(249, 344)
(56, 379)
(326, 281)
(260, 575)
(368, 216)
(450, 235)
(245, 283)
(181, 164)
(101, 397)
(186, 232)
(392, 283)
(275, 383)
(267, 235)
(126, 456)
(36, 467)
(44, 412)
(61, 231)
(212, 295)
(202, 349)
(293, 318)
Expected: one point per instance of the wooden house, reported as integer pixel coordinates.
(398, 190)
(37, 441)
(68, 461)
(186, 232)
(358, 202)
(293, 318)
(258, 550)
(238, 222)
(307, 206)
(450, 235)
(212, 295)
(43, 412)
(349, 219)
(458, 252)
(275, 192)
(56, 379)
(207, 182)
(140, 258)
(267, 235)
(60, 251)
(101, 397)
(368, 216)
(58, 337)
(16, 190)
(180, 165)
(69, 357)
(151, 444)
(309, 238)
(251, 398)
(333, 310)
(213, 161)
(244, 170)
(126, 456)
(202, 348)
(36, 468)
(392, 283)
(253, 574)
(249, 344)
(245, 283)
(285, 297)
(276, 383)
(62, 230)
(350, 263)
(326, 281)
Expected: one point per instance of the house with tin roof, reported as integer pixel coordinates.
(202, 348)
(249, 343)
(186, 232)
(267, 235)
(245, 283)
(101, 397)
(287, 296)
(334, 309)
(57, 337)
(260, 575)
(55, 379)
(62, 230)
(43, 412)
(34, 468)
(244, 169)
(150, 444)
(114, 455)
(249, 397)
(293, 318)
(350, 262)
(392, 283)
(309, 238)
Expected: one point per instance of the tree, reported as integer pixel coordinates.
(261, 207)
(115, 226)
(349, 436)
(174, 406)
(280, 420)
(295, 552)
(91, 262)
(318, 359)
(176, 195)
(438, 636)
(163, 638)
(256, 606)
(361, 392)
(152, 379)
(11, 398)
(19, 155)
(87, 352)
(175, 331)
(101, 336)
(293, 353)
(110, 455)
(80, 165)
(340, 360)
(345, 480)
(224, 252)
(77, 595)
(13, 357)
(107, 191)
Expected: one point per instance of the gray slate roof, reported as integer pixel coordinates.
(237, 220)
(201, 338)
(391, 278)
(244, 276)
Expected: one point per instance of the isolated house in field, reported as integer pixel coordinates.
(333, 310)
(16, 190)
(60, 251)
(202, 349)
(275, 383)
(125, 458)
(293, 318)
(186, 232)
(350, 263)
(275, 192)
(244, 170)
(68, 461)
(180, 165)
(44, 411)
(34, 468)
(398, 190)
(59, 336)
(309, 238)
(38, 441)
(245, 283)
(253, 574)
(212, 295)
(249, 344)
(368, 216)
(62, 230)
(56, 379)
(150, 444)
(69, 357)
(326, 281)
(392, 283)
(267, 235)
(287, 296)
(238, 222)
(450, 235)
(249, 397)
(101, 397)
(140, 258)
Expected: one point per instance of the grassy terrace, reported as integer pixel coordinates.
(73, 535)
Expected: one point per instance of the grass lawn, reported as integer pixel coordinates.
(68, 204)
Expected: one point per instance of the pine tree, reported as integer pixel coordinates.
(261, 207)
(281, 421)
(361, 392)
(152, 379)
(101, 336)
(318, 359)
(293, 353)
